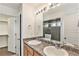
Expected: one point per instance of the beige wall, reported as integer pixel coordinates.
(28, 20)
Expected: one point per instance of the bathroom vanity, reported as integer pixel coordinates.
(38, 50)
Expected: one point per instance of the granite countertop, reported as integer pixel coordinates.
(39, 48)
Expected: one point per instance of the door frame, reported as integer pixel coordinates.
(20, 35)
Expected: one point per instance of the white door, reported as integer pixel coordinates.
(17, 30)
(11, 34)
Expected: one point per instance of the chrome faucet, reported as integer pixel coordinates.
(57, 46)
(60, 45)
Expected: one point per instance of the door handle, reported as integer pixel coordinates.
(78, 24)
(18, 39)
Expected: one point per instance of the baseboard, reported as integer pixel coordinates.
(12, 52)
(3, 46)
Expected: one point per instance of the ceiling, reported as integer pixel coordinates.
(36, 5)
(19, 5)
(12, 5)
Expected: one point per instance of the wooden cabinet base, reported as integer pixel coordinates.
(29, 51)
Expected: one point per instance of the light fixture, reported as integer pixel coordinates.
(45, 9)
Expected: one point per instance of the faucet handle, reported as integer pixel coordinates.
(62, 44)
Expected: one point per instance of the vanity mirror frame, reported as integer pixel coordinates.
(59, 19)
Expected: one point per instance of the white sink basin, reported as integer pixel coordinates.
(52, 51)
(34, 42)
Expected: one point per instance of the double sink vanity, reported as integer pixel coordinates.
(41, 47)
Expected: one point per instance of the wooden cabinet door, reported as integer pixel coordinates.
(36, 54)
(30, 50)
(25, 53)
(29, 54)
(25, 50)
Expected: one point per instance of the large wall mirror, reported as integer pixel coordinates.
(52, 29)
